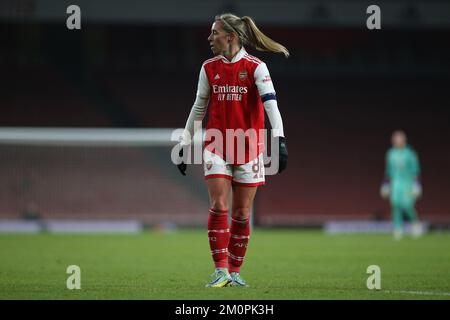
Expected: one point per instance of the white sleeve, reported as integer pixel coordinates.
(198, 110)
(268, 96)
(263, 80)
(275, 119)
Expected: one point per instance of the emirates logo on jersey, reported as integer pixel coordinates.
(229, 89)
(229, 93)
(243, 75)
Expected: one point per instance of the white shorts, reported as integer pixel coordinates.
(249, 174)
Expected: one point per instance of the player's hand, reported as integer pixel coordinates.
(385, 190)
(283, 154)
(417, 189)
(182, 166)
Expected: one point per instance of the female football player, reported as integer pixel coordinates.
(401, 184)
(238, 88)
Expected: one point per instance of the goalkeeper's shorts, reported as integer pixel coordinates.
(249, 174)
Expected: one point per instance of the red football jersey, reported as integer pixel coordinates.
(235, 106)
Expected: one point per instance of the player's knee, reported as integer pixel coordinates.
(241, 213)
(219, 205)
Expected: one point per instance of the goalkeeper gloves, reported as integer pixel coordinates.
(283, 154)
(385, 189)
(417, 189)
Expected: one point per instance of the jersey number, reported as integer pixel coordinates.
(256, 168)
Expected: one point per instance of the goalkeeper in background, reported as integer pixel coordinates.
(401, 184)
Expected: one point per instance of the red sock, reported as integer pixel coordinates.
(240, 233)
(219, 236)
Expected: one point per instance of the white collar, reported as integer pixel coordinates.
(237, 57)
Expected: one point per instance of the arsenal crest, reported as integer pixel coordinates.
(242, 75)
(209, 165)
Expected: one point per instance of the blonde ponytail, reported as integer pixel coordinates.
(248, 33)
(260, 41)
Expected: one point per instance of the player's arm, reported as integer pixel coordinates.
(198, 110)
(415, 166)
(197, 113)
(385, 189)
(389, 166)
(268, 96)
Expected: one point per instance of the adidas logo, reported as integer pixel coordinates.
(217, 77)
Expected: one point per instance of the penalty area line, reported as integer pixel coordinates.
(423, 293)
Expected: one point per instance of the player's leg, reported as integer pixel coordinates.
(416, 226)
(218, 176)
(243, 197)
(411, 212)
(218, 229)
(397, 208)
(246, 179)
(397, 221)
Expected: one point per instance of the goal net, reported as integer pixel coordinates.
(62, 173)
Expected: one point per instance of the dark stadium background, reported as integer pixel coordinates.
(135, 64)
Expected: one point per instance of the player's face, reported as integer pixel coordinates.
(218, 39)
(398, 140)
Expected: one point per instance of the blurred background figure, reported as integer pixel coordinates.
(401, 184)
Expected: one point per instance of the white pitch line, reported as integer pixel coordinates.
(424, 293)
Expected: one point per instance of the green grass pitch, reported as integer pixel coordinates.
(280, 264)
